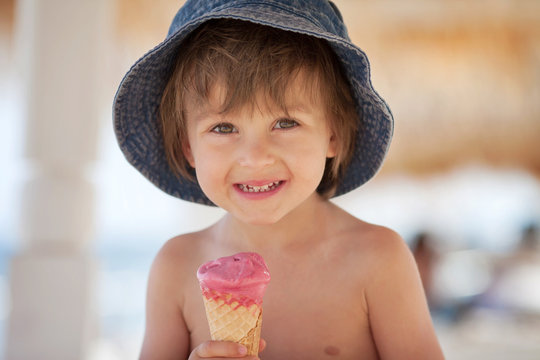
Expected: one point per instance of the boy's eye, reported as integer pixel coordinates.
(224, 128)
(285, 124)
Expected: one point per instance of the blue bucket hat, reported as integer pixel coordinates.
(136, 105)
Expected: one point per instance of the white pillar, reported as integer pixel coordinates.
(52, 284)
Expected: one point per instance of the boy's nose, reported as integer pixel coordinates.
(256, 153)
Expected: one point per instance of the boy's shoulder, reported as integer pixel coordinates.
(373, 245)
(364, 234)
(179, 258)
(180, 244)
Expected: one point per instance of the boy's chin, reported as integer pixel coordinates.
(257, 217)
(257, 220)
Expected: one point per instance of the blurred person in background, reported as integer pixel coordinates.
(426, 257)
(516, 277)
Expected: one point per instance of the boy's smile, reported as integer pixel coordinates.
(260, 189)
(259, 162)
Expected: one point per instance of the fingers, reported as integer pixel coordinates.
(220, 349)
(262, 345)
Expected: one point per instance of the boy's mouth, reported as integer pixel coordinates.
(259, 189)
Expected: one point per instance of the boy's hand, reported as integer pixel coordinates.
(223, 349)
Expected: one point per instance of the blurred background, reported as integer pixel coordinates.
(79, 227)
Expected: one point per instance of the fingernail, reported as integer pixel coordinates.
(242, 350)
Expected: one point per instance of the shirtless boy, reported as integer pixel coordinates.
(266, 109)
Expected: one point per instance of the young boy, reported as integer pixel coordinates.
(266, 109)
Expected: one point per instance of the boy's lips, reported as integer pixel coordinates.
(259, 186)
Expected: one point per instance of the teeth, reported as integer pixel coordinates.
(256, 189)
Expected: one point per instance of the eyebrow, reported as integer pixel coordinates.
(204, 116)
(300, 107)
(204, 113)
(201, 112)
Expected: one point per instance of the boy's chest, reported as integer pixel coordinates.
(320, 321)
(308, 316)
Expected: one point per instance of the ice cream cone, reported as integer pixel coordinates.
(234, 322)
(232, 289)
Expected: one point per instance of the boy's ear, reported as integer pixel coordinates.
(188, 154)
(332, 147)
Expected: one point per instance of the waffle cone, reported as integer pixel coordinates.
(234, 322)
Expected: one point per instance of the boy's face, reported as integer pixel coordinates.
(259, 163)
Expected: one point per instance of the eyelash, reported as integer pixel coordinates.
(290, 124)
(228, 128)
(218, 129)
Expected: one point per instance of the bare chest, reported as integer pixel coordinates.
(306, 316)
(319, 322)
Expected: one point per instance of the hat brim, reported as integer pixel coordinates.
(136, 104)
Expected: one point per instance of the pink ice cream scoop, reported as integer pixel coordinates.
(243, 276)
(233, 289)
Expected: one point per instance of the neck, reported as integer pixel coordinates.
(301, 226)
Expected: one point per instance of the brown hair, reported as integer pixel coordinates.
(248, 58)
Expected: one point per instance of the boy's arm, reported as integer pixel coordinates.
(166, 335)
(398, 311)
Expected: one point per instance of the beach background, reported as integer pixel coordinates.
(462, 176)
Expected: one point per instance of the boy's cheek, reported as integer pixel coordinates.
(209, 159)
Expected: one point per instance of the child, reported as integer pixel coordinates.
(266, 109)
